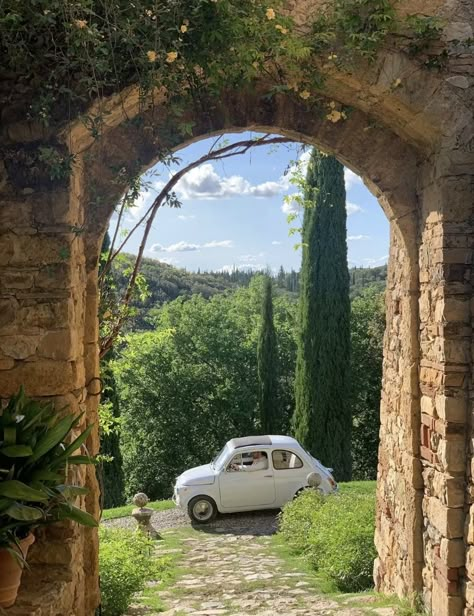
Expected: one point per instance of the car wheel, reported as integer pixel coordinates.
(202, 509)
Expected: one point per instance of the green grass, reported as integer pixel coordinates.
(126, 510)
(358, 487)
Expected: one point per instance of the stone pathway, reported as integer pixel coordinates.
(230, 572)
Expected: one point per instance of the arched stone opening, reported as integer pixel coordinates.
(416, 155)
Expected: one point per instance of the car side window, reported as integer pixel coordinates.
(283, 460)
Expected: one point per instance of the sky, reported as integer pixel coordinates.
(234, 212)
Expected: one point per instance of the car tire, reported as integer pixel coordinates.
(202, 509)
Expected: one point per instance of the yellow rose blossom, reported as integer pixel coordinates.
(171, 56)
(305, 94)
(80, 23)
(334, 116)
(151, 55)
(184, 28)
(270, 13)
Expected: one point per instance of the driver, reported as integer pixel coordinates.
(260, 463)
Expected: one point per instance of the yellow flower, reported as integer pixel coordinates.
(396, 83)
(151, 55)
(255, 64)
(270, 13)
(334, 116)
(80, 23)
(281, 28)
(171, 56)
(305, 94)
(332, 56)
(184, 28)
(332, 104)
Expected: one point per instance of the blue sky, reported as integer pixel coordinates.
(233, 213)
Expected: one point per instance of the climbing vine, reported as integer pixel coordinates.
(63, 56)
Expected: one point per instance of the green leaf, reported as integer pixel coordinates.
(71, 491)
(24, 513)
(45, 475)
(16, 451)
(81, 460)
(52, 437)
(20, 491)
(69, 512)
(9, 435)
(73, 446)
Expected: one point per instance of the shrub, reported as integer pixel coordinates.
(126, 562)
(297, 519)
(336, 533)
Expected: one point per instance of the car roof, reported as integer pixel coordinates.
(251, 441)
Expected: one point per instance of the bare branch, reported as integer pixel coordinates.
(233, 149)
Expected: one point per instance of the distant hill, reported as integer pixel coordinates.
(166, 283)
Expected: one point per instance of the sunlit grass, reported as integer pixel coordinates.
(126, 510)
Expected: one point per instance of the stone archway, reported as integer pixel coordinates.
(413, 146)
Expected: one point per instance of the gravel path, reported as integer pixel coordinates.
(255, 522)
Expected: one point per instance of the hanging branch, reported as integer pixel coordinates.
(234, 149)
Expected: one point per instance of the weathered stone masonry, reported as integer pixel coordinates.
(414, 147)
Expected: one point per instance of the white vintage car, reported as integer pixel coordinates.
(254, 472)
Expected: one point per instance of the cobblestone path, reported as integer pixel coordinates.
(237, 572)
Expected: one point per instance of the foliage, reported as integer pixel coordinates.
(125, 563)
(322, 420)
(367, 330)
(267, 366)
(35, 457)
(336, 535)
(166, 283)
(111, 467)
(63, 57)
(126, 510)
(192, 384)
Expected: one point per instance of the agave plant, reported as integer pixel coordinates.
(34, 459)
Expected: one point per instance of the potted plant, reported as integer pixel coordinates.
(36, 451)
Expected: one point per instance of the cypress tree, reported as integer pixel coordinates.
(322, 418)
(267, 365)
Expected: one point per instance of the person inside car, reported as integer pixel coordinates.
(259, 463)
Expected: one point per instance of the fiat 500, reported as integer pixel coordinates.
(250, 473)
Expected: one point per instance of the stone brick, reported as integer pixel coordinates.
(448, 521)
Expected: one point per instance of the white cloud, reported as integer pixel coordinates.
(205, 183)
(169, 261)
(351, 178)
(276, 243)
(379, 261)
(353, 208)
(219, 244)
(187, 247)
(353, 238)
(186, 217)
(290, 206)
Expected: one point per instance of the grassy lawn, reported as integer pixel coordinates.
(358, 487)
(126, 510)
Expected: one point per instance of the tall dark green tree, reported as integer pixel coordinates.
(322, 420)
(267, 365)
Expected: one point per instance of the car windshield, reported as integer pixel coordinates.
(221, 457)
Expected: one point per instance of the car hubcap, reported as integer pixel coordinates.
(202, 510)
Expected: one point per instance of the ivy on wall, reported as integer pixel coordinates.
(59, 57)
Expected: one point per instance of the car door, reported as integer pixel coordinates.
(246, 488)
(289, 474)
